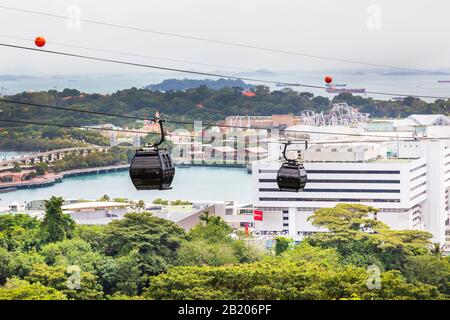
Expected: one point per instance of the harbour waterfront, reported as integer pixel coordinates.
(193, 184)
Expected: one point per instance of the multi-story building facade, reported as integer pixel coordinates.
(408, 181)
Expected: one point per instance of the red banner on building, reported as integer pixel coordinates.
(257, 215)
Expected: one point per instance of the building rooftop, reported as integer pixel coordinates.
(393, 160)
(256, 150)
(95, 205)
(173, 216)
(429, 119)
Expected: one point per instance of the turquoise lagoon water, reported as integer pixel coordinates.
(194, 184)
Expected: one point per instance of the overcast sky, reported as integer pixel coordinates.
(409, 33)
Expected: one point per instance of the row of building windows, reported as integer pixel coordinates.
(337, 190)
(343, 171)
(306, 233)
(393, 210)
(417, 168)
(387, 210)
(272, 209)
(418, 195)
(418, 186)
(338, 181)
(273, 233)
(418, 177)
(329, 200)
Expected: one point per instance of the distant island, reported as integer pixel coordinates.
(258, 73)
(12, 77)
(184, 84)
(415, 73)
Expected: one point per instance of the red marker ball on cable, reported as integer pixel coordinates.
(39, 41)
(328, 79)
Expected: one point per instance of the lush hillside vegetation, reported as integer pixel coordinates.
(200, 103)
(192, 104)
(38, 138)
(144, 257)
(185, 84)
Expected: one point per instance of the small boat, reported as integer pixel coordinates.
(345, 90)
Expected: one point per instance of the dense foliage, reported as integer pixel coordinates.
(37, 138)
(200, 103)
(184, 84)
(145, 257)
(115, 156)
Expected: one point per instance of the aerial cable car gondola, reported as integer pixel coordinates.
(152, 168)
(292, 175)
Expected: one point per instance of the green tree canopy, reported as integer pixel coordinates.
(363, 240)
(212, 229)
(57, 225)
(77, 286)
(156, 240)
(16, 289)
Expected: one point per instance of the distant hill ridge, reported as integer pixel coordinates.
(184, 84)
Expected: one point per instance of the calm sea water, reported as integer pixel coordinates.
(194, 184)
(407, 84)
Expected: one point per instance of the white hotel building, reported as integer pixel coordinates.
(408, 181)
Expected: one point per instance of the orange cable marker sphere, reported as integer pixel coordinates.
(328, 79)
(39, 41)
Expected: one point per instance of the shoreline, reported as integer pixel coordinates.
(59, 177)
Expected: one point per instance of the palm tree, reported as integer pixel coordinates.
(140, 205)
(105, 198)
(57, 225)
(437, 250)
(204, 217)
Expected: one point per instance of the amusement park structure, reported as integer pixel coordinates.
(340, 114)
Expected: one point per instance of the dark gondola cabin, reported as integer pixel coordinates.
(152, 170)
(292, 176)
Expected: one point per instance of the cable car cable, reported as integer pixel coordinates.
(311, 142)
(88, 128)
(73, 55)
(132, 54)
(190, 123)
(152, 168)
(135, 64)
(181, 61)
(31, 104)
(221, 42)
(291, 176)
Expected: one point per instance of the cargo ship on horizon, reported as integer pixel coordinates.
(345, 90)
